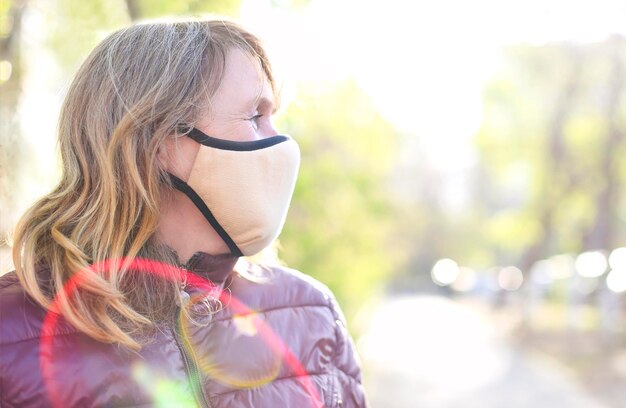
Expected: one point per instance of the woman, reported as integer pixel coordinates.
(172, 171)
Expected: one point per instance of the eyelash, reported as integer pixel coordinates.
(255, 118)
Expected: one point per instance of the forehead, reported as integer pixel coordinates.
(244, 83)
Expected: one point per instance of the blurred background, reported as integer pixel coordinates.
(462, 189)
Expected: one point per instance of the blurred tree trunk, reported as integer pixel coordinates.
(557, 181)
(601, 232)
(133, 9)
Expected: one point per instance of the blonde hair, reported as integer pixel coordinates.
(133, 91)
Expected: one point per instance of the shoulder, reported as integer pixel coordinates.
(8, 281)
(298, 310)
(19, 315)
(21, 318)
(276, 290)
(279, 286)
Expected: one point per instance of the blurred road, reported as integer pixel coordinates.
(433, 352)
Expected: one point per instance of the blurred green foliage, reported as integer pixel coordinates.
(157, 8)
(550, 146)
(548, 177)
(75, 26)
(342, 219)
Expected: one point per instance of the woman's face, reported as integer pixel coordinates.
(243, 104)
(240, 111)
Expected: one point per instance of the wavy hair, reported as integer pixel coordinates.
(132, 92)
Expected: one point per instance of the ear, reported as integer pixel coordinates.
(163, 154)
(177, 154)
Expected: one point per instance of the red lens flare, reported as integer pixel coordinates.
(163, 270)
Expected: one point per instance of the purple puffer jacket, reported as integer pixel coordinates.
(221, 361)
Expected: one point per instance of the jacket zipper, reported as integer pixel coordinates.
(192, 372)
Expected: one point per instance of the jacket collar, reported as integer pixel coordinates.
(215, 268)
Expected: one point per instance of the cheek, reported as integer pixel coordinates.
(245, 132)
(239, 130)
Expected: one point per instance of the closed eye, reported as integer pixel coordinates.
(255, 120)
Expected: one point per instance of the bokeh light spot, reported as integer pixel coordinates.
(591, 264)
(445, 271)
(466, 280)
(616, 280)
(617, 259)
(510, 278)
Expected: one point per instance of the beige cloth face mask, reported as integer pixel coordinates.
(243, 189)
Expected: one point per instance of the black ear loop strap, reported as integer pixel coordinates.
(193, 196)
(223, 144)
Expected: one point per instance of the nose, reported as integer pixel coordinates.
(269, 131)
